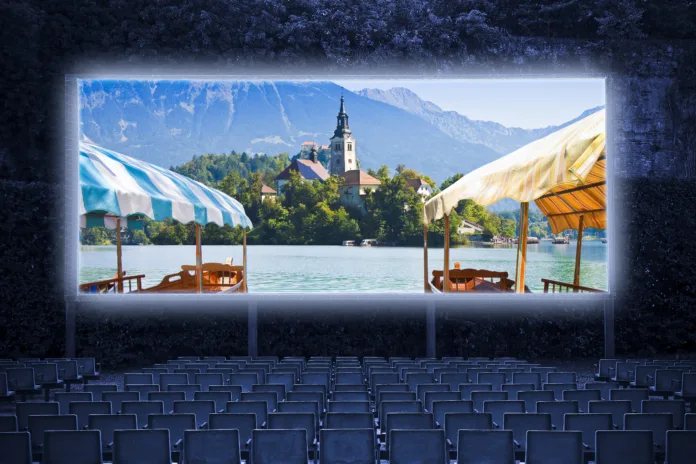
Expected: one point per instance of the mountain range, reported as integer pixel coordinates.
(168, 122)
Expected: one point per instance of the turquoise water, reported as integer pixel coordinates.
(349, 269)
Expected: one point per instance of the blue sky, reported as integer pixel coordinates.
(525, 103)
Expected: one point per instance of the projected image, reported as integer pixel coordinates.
(311, 186)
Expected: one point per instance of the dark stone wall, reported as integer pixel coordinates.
(651, 106)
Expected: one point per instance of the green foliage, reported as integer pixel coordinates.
(212, 169)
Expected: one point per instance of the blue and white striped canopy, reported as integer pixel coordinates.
(113, 186)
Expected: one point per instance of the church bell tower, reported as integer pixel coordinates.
(342, 145)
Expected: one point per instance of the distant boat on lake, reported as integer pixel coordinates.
(348, 243)
(369, 242)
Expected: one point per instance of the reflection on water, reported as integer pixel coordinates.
(350, 269)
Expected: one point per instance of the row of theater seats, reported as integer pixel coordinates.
(346, 410)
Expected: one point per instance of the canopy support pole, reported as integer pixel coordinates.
(119, 256)
(199, 260)
(522, 247)
(426, 287)
(244, 259)
(578, 252)
(446, 281)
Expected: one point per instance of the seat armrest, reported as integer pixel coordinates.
(221, 411)
(449, 443)
(248, 442)
(263, 425)
(145, 426)
(110, 445)
(203, 425)
(586, 446)
(178, 442)
(616, 426)
(553, 427)
(314, 442)
(437, 425)
(517, 444)
(495, 424)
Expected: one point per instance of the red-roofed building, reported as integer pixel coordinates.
(355, 185)
(421, 187)
(267, 192)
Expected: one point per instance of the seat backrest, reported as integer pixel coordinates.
(142, 409)
(479, 397)
(212, 447)
(489, 446)
(167, 399)
(408, 421)
(675, 407)
(408, 446)
(116, 398)
(680, 447)
(353, 445)
(604, 388)
(423, 388)
(108, 423)
(8, 424)
(64, 399)
(624, 446)
(219, 398)
(24, 410)
(498, 408)
(259, 408)
(142, 447)
(244, 423)
(395, 396)
(531, 398)
(558, 409)
(143, 388)
(234, 390)
(454, 380)
(278, 389)
(657, 423)
(559, 388)
(171, 379)
(274, 446)
(97, 389)
(311, 407)
(497, 379)
(317, 396)
(547, 447)
(513, 389)
(137, 378)
(271, 398)
(350, 396)
(690, 421)
(201, 409)
(72, 447)
(588, 424)
(456, 421)
(284, 378)
(16, 447)
(83, 409)
(349, 420)
(20, 378)
(528, 377)
(349, 406)
(39, 424)
(294, 421)
(562, 377)
(583, 397)
(175, 423)
(645, 375)
(520, 423)
(440, 408)
(387, 407)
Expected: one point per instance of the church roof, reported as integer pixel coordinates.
(307, 169)
(358, 177)
(308, 144)
(266, 189)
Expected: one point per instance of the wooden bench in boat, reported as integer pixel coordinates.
(473, 280)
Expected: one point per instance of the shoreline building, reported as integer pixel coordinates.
(309, 169)
(421, 187)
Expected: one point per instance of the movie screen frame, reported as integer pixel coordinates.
(213, 281)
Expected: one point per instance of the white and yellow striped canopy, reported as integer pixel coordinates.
(564, 172)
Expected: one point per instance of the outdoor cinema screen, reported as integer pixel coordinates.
(461, 186)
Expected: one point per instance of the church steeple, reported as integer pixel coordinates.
(342, 121)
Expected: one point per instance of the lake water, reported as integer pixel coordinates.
(349, 269)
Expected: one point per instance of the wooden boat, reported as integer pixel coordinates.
(217, 278)
(473, 280)
(561, 240)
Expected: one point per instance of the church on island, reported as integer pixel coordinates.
(354, 183)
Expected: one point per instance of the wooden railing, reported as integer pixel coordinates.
(111, 285)
(564, 287)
